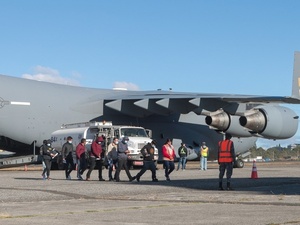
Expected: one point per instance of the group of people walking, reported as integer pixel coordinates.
(117, 155)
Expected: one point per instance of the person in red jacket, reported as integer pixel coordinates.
(226, 159)
(80, 156)
(169, 155)
(95, 157)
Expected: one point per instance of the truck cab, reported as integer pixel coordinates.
(138, 138)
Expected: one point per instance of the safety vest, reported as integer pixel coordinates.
(225, 155)
(204, 152)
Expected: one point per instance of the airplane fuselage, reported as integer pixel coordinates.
(31, 110)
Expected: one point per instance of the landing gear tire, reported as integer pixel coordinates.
(239, 163)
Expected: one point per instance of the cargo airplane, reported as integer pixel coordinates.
(31, 110)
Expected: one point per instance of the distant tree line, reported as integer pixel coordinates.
(276, 153)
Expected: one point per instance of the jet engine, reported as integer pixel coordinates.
(273, 122)
(224, 122)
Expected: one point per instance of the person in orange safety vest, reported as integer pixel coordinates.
(226, 159)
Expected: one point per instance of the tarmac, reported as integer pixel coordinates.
(191, 197)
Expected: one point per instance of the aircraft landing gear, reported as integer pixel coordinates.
(239, 163)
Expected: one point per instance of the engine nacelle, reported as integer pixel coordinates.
(273, 122)
(223, 121)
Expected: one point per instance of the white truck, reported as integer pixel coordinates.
(138, 137)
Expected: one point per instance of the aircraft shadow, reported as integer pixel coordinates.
(267, 185)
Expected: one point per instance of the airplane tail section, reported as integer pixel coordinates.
(296, 76)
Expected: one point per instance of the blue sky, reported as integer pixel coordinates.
(234, 46)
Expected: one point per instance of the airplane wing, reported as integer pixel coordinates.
(138, 104)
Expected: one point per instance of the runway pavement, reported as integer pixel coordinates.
(192, 197)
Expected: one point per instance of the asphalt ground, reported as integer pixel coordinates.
(191, 197)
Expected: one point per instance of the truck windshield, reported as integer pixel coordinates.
(133, 132)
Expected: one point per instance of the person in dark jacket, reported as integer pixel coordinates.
(148, 161)
(47, 157)
(122, 159)
(67, 154)
(42, 158)
(182, 152)
(95, 155)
